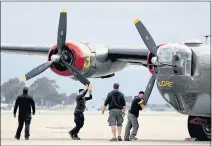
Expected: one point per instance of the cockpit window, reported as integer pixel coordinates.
(165, 55)
(177, 56)
(184, 53)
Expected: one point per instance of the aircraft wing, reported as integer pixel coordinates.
(25, 49)
(128, 54)
(131, 55)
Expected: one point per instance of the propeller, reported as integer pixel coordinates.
(61, 35)
(149, 42)
(76, 73)
(147, 38)
(148, 90)
(41, 68)
(61, 57)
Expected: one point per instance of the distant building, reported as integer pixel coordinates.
(3, 98)
(159, 107)
(5, 106)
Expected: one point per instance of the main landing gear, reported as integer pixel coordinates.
(199, 128)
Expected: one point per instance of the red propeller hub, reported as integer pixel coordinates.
(73, 55)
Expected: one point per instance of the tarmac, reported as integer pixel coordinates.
(51, 128)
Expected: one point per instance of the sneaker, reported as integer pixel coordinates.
(71, 134)
(113, 139)
(119, 138)
(127, 139)
(133, 138)
(18, 138)
(76, 138)
(26, 138)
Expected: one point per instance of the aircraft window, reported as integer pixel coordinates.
(188, 67)
(165, 55)
(185, 66)
(184, 53)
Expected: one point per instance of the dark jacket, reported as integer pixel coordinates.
(24, 103)
(115, 99)
(81, 101)
(135, 107)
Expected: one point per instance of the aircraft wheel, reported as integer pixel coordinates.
(201, 133)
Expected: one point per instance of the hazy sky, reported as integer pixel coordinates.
(98, 23)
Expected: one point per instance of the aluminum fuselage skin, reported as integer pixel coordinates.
(190, 95)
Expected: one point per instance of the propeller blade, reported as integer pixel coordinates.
(148, 90)
(36, 71)
(76, 73)
(146, 37)
(62, 28)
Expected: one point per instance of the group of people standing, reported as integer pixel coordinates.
(116, 105)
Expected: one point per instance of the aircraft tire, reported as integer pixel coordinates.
(197, 131)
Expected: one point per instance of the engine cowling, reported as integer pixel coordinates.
(149, 59)
(74, 57)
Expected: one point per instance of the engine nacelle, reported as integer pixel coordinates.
(149, 60)
(76, 58)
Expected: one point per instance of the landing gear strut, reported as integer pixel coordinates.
(199, 129)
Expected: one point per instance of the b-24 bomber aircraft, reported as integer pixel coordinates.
(181, 70)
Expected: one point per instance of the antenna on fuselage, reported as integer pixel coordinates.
(206, 38)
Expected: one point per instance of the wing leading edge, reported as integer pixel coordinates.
(25, 50)
(131, 55)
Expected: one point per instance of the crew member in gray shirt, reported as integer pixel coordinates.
(78, 113)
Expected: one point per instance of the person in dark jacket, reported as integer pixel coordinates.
(24, 102)
(116, 101)
(133, 115)
(78, 113)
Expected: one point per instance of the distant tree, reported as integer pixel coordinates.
(64, 98)
(44, 89)
(11, 89)
(71, 98)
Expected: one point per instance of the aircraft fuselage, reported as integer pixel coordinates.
(188, 89)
